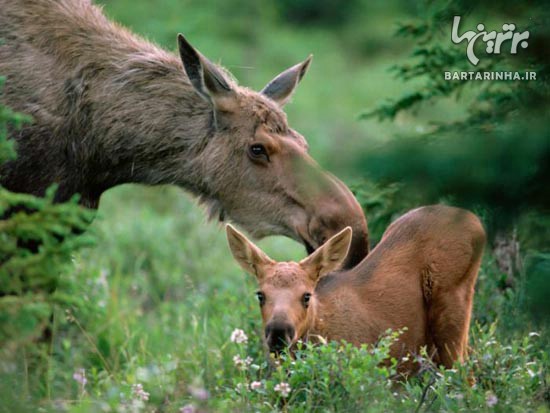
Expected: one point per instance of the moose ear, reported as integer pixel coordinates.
(281, 88)
(251, 258)
(329, 256)
(208, 80)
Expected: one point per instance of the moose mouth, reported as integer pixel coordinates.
(306, 240)
(308, 246)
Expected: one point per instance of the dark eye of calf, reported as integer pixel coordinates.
(261, 298)
(305, 299)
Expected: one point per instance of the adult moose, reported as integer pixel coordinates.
(110, 108)
(420, 276)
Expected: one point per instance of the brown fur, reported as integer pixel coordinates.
(420, 276)
(111, 108)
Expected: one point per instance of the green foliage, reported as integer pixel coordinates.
(8, 118)
(35, 249)
(507, 377)
(503, 137)
(330, 12)
(332, 377)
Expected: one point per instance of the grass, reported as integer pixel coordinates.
(159, 295)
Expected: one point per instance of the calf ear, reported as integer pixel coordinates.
(251, 258)
(281, 88)
(209, 81)
(329, 256)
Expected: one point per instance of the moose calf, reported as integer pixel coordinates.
(420, 276)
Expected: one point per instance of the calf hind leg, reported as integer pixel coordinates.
(449, 313)
(449, 320)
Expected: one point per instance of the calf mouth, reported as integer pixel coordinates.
(279, 337)
(278, 349)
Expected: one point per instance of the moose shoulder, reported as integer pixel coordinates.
(420, 276)
(110, 108)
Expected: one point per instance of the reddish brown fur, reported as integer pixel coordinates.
(420, 276)
(111, 108)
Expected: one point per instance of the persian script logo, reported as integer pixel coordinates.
(493, 40)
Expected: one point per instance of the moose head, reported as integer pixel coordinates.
(258, 170)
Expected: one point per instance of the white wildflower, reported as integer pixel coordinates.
(199, 393)
(80, 377)
(491, 399)
(238, 336)
(282, 388)
(188, 408)
(242, 364)
(256, 385)
(139, 393)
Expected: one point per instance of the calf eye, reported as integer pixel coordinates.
(261, 298)
(305, 299)
(257, 151)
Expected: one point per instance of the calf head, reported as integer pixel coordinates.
(286, 291)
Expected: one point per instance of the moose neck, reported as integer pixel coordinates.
(151, 128)
(118, 109)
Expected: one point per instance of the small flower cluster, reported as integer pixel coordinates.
(199, 393)
(139, 393)
(238, 336)
(80, 377)
(283, 389)
(256, 385)
(491, 399)
(241, 363)
(188, 408)
(253, 386)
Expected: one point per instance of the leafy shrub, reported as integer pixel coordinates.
(335, 377)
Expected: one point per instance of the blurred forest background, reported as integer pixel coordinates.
(145, 302)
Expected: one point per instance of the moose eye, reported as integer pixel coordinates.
(305, 299)
(261, 298)
(258, 151)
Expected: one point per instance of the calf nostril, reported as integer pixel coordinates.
(279, 335)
